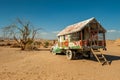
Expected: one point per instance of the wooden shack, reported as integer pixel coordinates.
(82, 35)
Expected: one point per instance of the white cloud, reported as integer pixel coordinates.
(43, 33)
(48, 35)
(113, 34)
(112, 31)
(55, 32)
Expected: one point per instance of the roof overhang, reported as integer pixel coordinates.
(78, 27)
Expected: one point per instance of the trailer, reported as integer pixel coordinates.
(82, 39)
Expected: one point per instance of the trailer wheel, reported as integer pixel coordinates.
(70, 54)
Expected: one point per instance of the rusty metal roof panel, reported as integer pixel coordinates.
(75, 27)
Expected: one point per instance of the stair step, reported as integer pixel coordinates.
(105, 62)
(96, 50)
(98, 54)
(101, 57)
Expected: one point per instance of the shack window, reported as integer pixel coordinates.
(100, 36)
(75, 36)
(58, 38)
(63, 37)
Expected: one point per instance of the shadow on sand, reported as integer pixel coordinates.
(42, 49)
(108, 57)
(112, 57)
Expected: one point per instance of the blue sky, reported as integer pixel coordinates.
(55, 15)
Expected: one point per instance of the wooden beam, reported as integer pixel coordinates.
(81, 35)
(104, 39)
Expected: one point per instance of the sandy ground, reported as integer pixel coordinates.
(42, 65)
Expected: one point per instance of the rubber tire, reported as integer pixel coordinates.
(70, 55)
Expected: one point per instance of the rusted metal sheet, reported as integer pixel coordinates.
(75, 27)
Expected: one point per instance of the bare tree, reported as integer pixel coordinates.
(22, 32)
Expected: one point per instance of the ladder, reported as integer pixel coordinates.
(100, 57)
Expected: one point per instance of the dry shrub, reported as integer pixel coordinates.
(1, 40)
(46, 44)
(8, 44)
(2, 44)
(15, 45)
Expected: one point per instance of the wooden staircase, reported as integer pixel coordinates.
(100, 57)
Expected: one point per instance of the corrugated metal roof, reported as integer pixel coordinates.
(75, 27)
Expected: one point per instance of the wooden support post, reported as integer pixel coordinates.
(81, 37)
(98, 26)
(104, 38)
(90, 38)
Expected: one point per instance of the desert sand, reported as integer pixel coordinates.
(42, 65)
